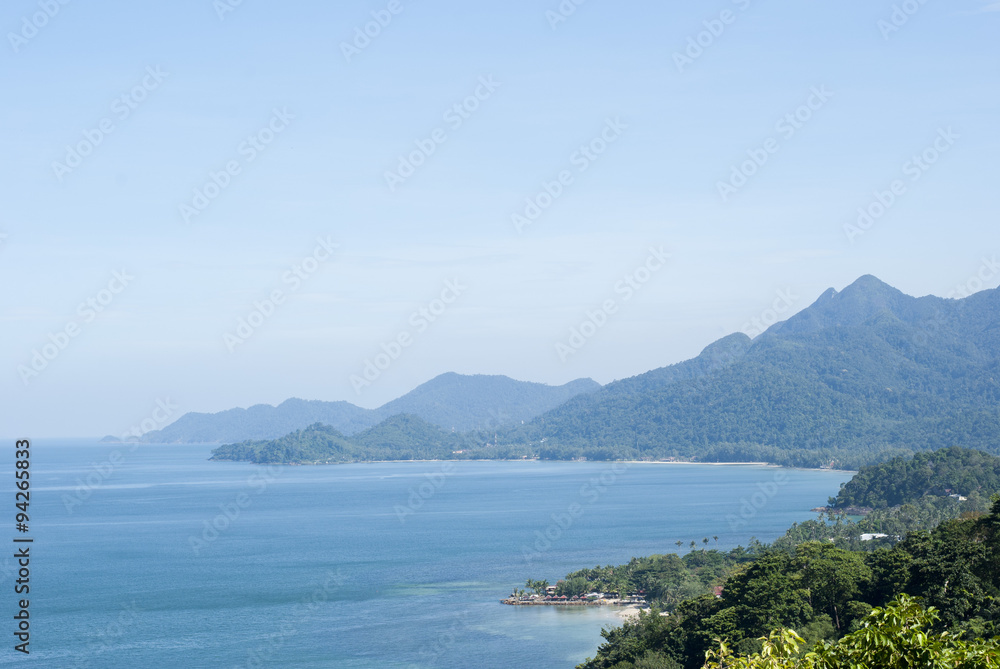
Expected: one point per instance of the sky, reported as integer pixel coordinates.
(211, 204)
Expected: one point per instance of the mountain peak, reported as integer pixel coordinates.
(869, 284)
(728, 348)
(866, 298)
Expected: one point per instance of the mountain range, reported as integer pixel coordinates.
(860, 375)
(450, 401)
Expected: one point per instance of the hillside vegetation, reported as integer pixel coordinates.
(401, 437)
(843, 601)
(957, 471)
(858, 377)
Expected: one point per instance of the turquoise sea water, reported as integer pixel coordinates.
(356, 566)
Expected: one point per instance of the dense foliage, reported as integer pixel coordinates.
(401, 437)
(898, 636)
(856, 378)
(664, 580)
(816, 582)
(948, 471)
(895, 522)
(920, 490)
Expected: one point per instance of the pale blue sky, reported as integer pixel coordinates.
(323, 175)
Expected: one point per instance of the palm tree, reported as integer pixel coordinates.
(693, 544)
(705, 541)
(679, 543)
(716, 538)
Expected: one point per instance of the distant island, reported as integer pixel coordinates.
(859, 377)
(402, 437)
(452, 402)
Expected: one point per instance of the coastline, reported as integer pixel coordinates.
(629, 613)
(627, 462)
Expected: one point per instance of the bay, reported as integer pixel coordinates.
(154, 557)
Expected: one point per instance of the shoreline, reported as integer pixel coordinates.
(628, 613)
(627, 462)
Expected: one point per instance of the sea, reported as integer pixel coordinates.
(152, 556)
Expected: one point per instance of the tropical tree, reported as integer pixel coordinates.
(833, 577)
(538, 587)
(898, 636)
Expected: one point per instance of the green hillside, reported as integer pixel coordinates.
(827, 591)
(859, 376)
(401, 437)
(957, 471)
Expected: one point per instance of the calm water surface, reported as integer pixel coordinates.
(173, 561)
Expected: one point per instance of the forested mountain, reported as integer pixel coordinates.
(957, 471)
(450, 401)
(401, 437)
(859, 376)
(482, 403)
(261, 421)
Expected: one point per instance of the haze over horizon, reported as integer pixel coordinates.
(296, 138)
